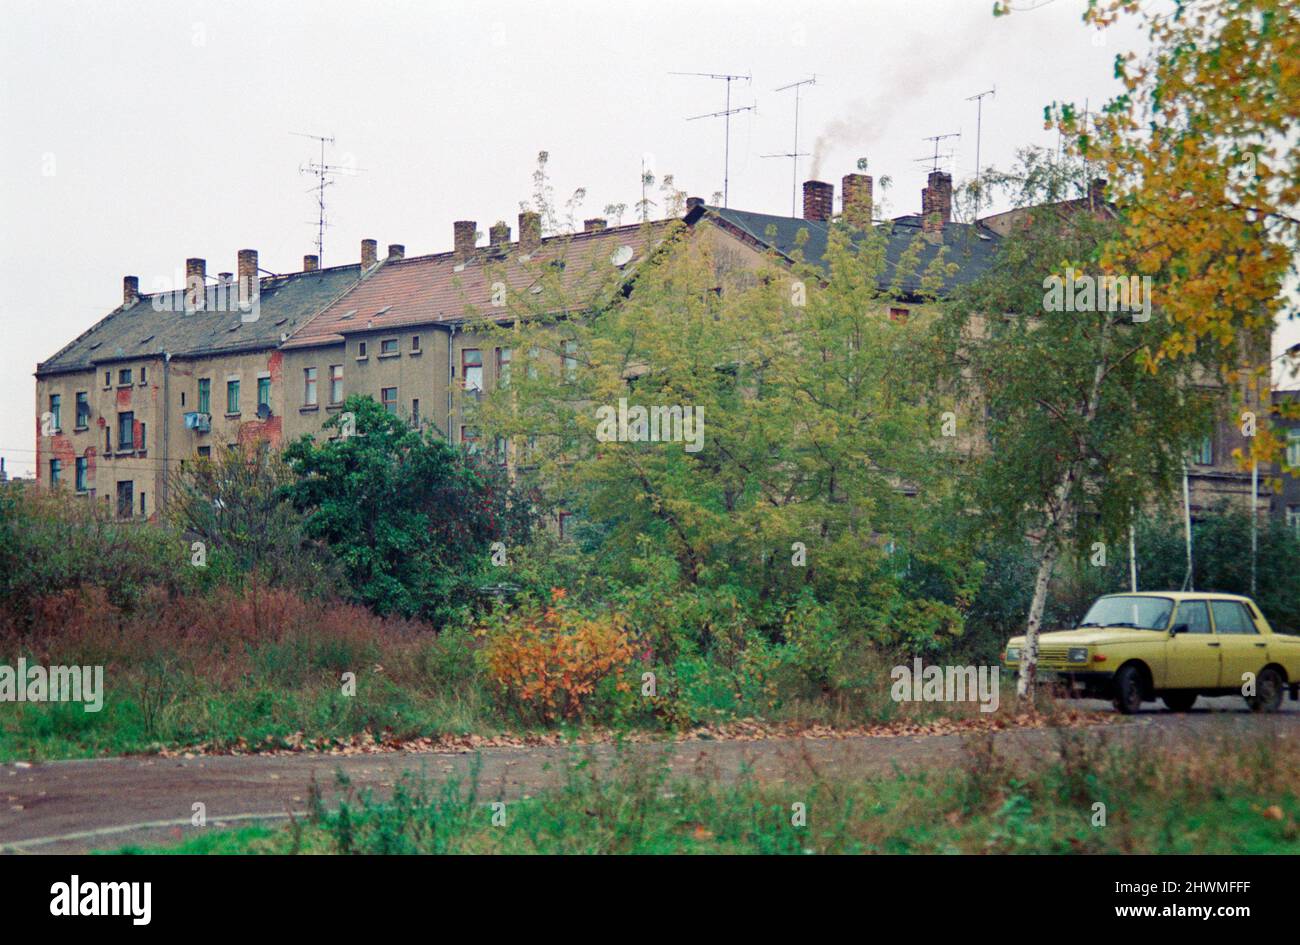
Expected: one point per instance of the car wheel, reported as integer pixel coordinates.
(1179, 701)
(1128, 690)
(1268, 692)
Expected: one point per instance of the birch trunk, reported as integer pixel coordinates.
(1029, 655)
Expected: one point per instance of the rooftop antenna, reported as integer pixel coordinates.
(979, 116)
(795, 153)
(324, 174)
(934, 158)
(725, 114)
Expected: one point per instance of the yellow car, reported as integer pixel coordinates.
(1133, 648)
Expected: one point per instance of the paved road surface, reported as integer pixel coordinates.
(75, 806)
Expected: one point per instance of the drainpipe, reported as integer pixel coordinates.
(166, 432)
(451, 334)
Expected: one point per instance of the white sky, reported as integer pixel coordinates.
(166, 125)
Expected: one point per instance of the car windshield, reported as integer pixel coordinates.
(1142, 613)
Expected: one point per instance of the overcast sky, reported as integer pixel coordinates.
(137, 134)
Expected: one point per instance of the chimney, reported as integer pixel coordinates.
(225, 278)
(594, 225)
(855, 190)
(818, 199)
(250, 283)
(530, 231)
(195, 280)
(1097, 192)
(130, 290)
(310, 262)
(396, 252)
(465, 236)
(693, 202)
(936, 203)
(369, 253)
(499, 237)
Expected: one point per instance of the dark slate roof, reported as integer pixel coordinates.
(971, 246)
(158, 322)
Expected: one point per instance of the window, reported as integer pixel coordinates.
(82, 467)
(1293, 447)
(182, 398)
(124, 377)
(125, 498)
(388, 347)
(336, 383)
(232, 396)
(205, 395)
(415, 344)
(263, 392)
(126, 431)
(502, 450)
(108, 378)
(388, 397)
(532, 364)
(566, 525)
(309, 386)
(1204, 453)
(1293, 518)
(469, 438)
(415, 411)
(144, 375)
(570, 360)
(141, 445)
(898, 314)
(503, 367)
(142, 510)
(1195, 614)
(108, 441)
(56, 467)
(1231, 617)
(361, 350)
(205, 452)
(56, 412)
(83, 410)
(471, 362)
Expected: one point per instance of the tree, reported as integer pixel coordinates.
(1084, 423)
(410, 518)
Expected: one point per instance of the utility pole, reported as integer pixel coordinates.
(979, 120)
(794, 153)
(725, 114)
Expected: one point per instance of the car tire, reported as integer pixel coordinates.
(1127, 688)
(1268, 692)
(1179, 701)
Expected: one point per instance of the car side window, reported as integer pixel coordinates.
(1231, 617)
(1195, 614)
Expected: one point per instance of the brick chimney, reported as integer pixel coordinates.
(369, 253)
(530, 231)
(693, 202)
(1097, 192)
(250, 283)
(310, 262)
(594, 225)
(855, 189)
(130, 289)
(396, 252)
(195, 280)
(936, 203)
(818, 200)
(465, 236)
(499, 237)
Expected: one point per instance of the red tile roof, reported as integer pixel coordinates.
(424, 290)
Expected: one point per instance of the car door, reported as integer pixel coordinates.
(1193, 653)
(1243, 648)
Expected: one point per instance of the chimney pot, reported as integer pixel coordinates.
(464, 238)
(369, 253)
(250, 283)
(310, 262)
(530, 230)
(130, 289)
(593, 225)
(855, 190)
(195, 280)
(818, 200)
(396, 251)
(499, 236)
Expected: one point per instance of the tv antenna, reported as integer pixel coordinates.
(324, 174)
(794, 154)
(725, 114)
(978, 98)
(934, 158)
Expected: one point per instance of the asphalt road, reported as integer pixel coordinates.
(77, 806)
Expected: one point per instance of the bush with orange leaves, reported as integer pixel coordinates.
(549, 661)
